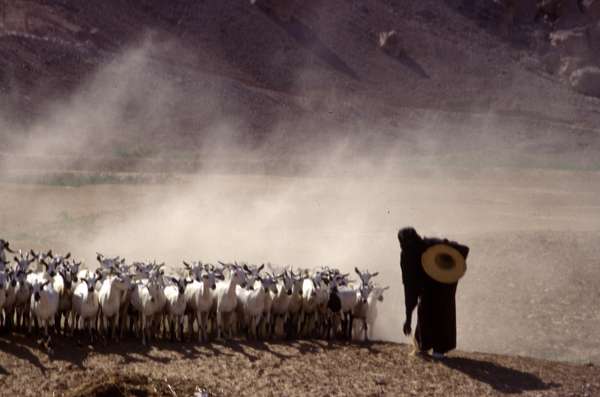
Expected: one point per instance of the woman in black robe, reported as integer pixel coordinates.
(436, 313)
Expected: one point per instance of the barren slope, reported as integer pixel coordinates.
(319, 75)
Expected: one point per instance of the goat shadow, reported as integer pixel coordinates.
(312, 346)
(21, 349)
(238, 347)
(309, 41)
(190, 349)
(502, 379)
(130, 350)
(265, 346)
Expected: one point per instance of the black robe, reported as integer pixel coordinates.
(436, 313)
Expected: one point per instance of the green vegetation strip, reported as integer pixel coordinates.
(76, 179)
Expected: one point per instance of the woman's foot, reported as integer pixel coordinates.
(415, 347)
(438, 356)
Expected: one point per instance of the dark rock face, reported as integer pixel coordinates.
(586, 80)
(282, 9)
(389, 42)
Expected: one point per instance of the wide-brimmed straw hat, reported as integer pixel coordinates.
(443, 263)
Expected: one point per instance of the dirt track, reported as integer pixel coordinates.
(296, 368)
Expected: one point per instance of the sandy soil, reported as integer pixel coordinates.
(295, 368)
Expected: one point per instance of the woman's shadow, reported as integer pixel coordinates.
(502, 379)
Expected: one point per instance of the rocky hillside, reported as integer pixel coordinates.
(169, 74)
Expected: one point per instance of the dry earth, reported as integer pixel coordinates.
(294, 368)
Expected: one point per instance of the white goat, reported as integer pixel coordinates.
(4, 284)
(175, 306)
(4, 246)
(63, 283)
(44, 304)
(365, 277)
(225, 298)
(148, 300)
(314, 295)
(199, 299)
(266, 324)
(23, 288)
(11, 298)
(295, 304)
(251, 303)
(109, 296)
(51, 273)
(281, 303)
(86, 304)
(348, 297)
(361, 309)
(375, 296)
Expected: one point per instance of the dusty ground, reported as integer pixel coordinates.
(296, 368)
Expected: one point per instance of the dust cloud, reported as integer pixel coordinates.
(526, 227)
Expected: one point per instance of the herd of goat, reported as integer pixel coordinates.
(51, 293)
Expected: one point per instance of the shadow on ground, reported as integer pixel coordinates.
(500, 378)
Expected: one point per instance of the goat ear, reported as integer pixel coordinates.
(99, 257)
(68, 255)
(357, 271)
(386, 288)
(374, 274)
(261, 267)
(187, 265)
